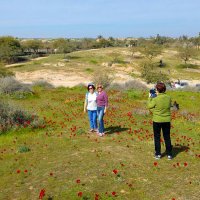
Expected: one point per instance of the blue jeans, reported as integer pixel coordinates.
(92, 114)
(100, 114)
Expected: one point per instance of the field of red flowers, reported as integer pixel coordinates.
(62, 160)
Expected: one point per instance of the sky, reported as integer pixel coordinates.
(90, 18)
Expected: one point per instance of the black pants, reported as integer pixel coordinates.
(165, 126)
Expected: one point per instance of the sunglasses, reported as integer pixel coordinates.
(90, 88)
(99, 87)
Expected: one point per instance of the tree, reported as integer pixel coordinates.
(99, 37)
(111, 41)
(196, 42)
(87, 43)
(160, 40)
(150, 51)
(152, 75)
(48, 46)
(63, 46)
(10, 48)
(186, 53)
(32, 46)
(104, 77)
(133, 47)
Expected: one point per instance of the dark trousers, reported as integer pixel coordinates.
(165, 126)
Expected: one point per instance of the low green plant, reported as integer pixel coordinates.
(9, 85)
(24, 149)
(42, 84)
(93, 61)
(14, 117)
(89, 70)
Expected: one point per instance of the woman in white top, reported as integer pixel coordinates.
(90, 105)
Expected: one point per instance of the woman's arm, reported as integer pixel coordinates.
(85, 105)
(151, 103)
(106, 102)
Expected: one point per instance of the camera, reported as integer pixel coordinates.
(153, 93)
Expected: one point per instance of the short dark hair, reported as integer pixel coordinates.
(161, 88)
(90, 86)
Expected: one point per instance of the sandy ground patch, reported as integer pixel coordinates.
(171, 52)
(68, 79)
(56, 78)
(71, 79)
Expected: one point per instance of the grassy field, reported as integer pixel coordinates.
(93, 60)
(67, 162)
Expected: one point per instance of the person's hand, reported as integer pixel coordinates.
(105, 111)
(84, 110)
(149, 94)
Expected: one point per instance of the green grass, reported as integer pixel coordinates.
(186, 66)
(65, 152)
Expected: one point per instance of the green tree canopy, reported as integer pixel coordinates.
(10, 48)
(150, 51)
(32, 45)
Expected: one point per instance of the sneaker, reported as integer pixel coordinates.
(100, 134)
(157, 157)
(103, 134)
(96, 130)
(91, 130)
(169, 157)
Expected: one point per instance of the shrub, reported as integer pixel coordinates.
(135, 84)
(4, 71)
(43, 84)
(93, 61)
(21, 95)
(89, 70)
(9, 85)
(24, 149)
(103, 77)
(12, 117)
(132, 84)
(151, 75)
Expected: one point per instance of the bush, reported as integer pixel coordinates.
(151, 75)
(103, 77)
(43, 84)
(89, 70)
(133, 84)
(9, 85)
(93, 61)
(24, 149)
(4, 72)
(12, 117)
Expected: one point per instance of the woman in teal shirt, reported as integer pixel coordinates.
(160, 107)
